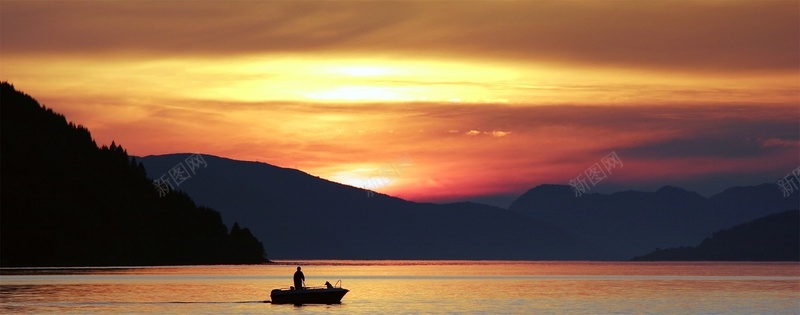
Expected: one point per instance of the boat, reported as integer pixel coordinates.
(329, 294)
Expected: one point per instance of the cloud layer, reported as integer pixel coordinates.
(487, 98)
(686, 36)
(464, 150)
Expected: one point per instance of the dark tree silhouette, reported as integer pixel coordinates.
(66, 202)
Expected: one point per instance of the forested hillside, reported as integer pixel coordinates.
(68, 202)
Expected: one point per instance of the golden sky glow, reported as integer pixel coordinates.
(487, 98)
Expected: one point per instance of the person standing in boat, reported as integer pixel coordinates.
(299, 277)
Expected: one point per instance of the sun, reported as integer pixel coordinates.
(360, 93)
(366, 71)
(363, 182)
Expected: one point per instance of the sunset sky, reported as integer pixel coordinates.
(488, 99)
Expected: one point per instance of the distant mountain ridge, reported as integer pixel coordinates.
(775, 237)
(631, 223)
(299, 216)
(302, 216)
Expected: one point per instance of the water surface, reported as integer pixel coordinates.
(395, 287)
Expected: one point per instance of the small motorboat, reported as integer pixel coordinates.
(329, 294)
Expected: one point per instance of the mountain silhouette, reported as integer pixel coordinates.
(299, 216)
(737, 205)
(775, 237)
(302, 216)
(66, 202)
(629, 223)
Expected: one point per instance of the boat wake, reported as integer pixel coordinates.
(167, 302)
(212, 302)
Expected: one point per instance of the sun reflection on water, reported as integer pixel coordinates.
(413, 286)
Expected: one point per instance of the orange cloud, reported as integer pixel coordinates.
(550, 144)
(693, 36)
(486, 98)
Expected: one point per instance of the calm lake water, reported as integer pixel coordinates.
(430, 287)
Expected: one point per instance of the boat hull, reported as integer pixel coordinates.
(308, 296)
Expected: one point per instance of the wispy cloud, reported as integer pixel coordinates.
(712, 36)
(512, 147)
(488, 97)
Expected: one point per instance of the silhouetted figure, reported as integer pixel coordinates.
(299, 277)
(328, 285)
